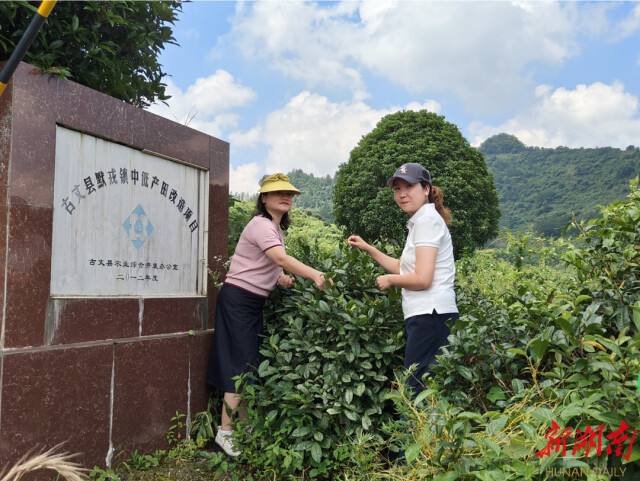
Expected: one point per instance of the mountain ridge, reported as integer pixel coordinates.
(539, 188)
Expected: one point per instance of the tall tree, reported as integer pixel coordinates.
(364, 207)
(111, 47)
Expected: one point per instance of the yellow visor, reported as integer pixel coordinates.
(276, 182)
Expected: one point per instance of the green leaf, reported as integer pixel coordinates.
(543, 415)
(412, 452)
(450, 476)
(488, 444)
(635, 456)
(470, 415)
(582, 298)
(348, 396)
(424, 394)
(490, 475)
(465, 372)
(564, 324)
(303, 446)
(497, 425)
(613, 419)
(262, 369)
(316, 452)
(495, 394)
(272, 414)
(636, 315)
(538, 348)
(301, 431)
(351, 415)
(515, 350)
(603, 365)
(547, 460)
(366, 422)
(570, 412)
(518, 448)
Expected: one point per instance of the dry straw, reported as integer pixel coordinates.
(59, 462)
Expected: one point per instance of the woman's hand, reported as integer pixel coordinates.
(286, 281)
(320, 280)
(384, 282)
(357, 241)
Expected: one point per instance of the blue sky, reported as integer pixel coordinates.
(295, 84)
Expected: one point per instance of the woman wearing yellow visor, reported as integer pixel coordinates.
(257, 265)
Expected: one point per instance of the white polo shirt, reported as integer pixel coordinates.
(428, 229)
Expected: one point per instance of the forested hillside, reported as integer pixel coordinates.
(316, 197)
(541, 187)
(538, 187)
(316, 193)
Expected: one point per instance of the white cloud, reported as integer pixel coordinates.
(480, 51)
(247, 139)
(206, 104)
(595, 115)
(217, 126)
(314, 134)
(245, 178)
(303, 41)
(430, 105)
(628, 26)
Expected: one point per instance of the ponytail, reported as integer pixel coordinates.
(437, 197)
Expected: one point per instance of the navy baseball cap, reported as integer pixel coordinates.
(412, 173)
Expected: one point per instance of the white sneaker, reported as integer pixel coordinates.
(226, 444)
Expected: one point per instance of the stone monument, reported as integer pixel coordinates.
(109, 219)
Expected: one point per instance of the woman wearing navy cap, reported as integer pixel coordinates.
(426, 270)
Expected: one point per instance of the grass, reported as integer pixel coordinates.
(194, 470)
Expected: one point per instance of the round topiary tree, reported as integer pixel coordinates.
(364, 206)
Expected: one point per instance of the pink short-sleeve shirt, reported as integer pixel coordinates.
(251, 268)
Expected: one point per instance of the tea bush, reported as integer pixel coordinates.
(537, 346)
(325, 370)
(549, 337)
(502, 308)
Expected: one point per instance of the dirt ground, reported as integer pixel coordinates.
(195, 470)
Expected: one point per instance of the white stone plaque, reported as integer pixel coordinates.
(126, 223)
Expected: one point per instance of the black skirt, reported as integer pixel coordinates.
(236, 337)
